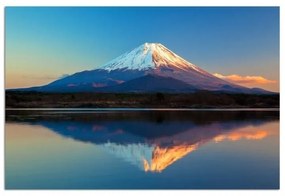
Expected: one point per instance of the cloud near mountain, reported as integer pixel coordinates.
(245, 80)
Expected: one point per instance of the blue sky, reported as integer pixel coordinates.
(43, 43)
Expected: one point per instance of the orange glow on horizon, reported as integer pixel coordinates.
(245, 79)
(250, 81)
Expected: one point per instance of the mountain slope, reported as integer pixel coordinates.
(151, 83)
(88, 81)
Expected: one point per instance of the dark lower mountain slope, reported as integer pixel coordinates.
(151, 83)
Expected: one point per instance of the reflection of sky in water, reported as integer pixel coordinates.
(238, 155)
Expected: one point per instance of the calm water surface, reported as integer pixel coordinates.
(142, 150)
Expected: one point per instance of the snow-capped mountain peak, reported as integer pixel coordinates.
(139, 58)
(149, 56)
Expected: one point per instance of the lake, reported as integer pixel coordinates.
(142, 149)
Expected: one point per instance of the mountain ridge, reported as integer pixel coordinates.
(147, 59)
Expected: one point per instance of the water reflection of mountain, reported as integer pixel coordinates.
(152, 140)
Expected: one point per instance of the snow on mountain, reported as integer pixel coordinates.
(156, 59)
(138, 59)
(149, 56)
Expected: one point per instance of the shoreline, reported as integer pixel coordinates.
(158, 101)
(142, 109)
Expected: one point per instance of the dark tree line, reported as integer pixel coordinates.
(194, 100)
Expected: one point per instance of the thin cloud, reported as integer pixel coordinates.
(36, 77)
(63, 76)
(245, 80)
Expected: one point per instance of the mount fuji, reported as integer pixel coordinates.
(151, 67)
